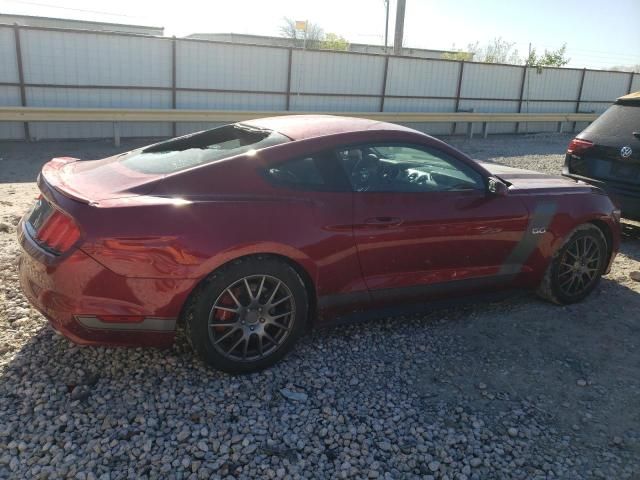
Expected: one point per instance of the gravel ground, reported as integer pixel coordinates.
(517, 389)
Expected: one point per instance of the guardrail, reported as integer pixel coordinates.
(117, 115)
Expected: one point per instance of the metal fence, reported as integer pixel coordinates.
(49, 67)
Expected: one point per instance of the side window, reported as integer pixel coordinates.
(302, 171)
(402, 168)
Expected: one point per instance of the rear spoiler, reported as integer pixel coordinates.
(52, 176)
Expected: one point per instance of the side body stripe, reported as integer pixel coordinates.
(538, 223)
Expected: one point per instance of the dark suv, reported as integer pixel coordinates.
(607, 154)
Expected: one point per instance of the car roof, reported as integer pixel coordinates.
(300, 127)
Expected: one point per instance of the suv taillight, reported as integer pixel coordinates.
(578, 146)
(58, 233)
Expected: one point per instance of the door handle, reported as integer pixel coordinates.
(384, 221)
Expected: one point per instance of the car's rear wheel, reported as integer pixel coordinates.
(247, 315)
(576, 268)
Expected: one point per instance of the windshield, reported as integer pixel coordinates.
(201, 148)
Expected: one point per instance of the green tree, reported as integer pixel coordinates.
(502, 51)
(333, 41)
(550, 58)
(497, 51)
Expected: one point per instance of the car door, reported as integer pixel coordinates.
(424, 223)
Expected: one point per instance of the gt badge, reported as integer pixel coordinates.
(538, 231)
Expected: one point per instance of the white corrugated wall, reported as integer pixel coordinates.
(86, 69)
(9, 95)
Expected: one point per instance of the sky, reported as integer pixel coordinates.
(598, 34)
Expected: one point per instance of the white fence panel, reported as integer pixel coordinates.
(91, 98)
(79, 130)
(330, 72)
(318, 81)
(491, 81)
(604, 85)
(323, 103)
(422, 105)
(230, 67)
(422, 77)
(71, 58)
(9, 96)
(52, 130)
(8, 62)
(597, 107)
(96, 98)
(552, 84)
(229, 101)
(489, 106)
(546, 107)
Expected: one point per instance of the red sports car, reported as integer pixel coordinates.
(252, 231)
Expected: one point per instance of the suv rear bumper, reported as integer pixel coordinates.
(626, 196)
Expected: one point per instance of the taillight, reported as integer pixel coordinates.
(579, 146)
(58, 233)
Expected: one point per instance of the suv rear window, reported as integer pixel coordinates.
(201, 148)
(618, 122)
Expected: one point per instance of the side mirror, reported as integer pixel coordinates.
(496, 187)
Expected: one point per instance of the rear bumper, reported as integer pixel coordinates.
(625, 196)
(91, 305)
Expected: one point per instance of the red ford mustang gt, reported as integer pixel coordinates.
(251, 231)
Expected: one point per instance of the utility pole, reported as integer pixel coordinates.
(386, 26)
(397, 39)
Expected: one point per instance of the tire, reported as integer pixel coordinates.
(246, 303)
(572, 268)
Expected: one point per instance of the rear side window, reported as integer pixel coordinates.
(201, 148)
(302, 171)
(616, 124)
(314, 172)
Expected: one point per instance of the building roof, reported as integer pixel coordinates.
(36, 21)
(245, 38)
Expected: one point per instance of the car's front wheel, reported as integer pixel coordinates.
(247, 315)
(576, 268)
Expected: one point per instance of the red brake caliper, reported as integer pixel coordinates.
(224, 315)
